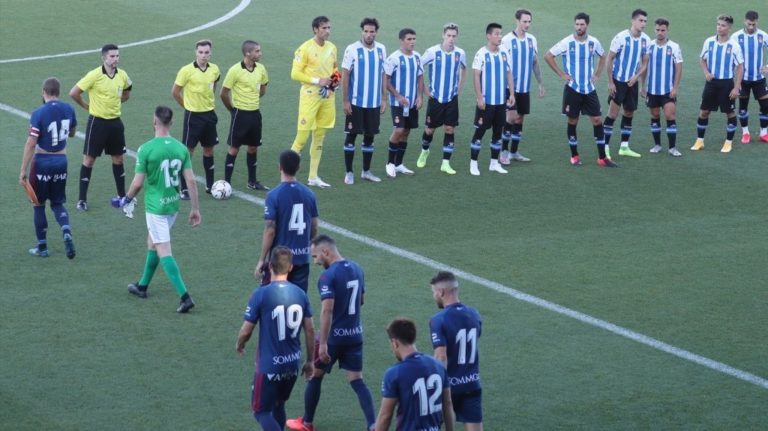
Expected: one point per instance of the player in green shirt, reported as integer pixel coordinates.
(159, 163)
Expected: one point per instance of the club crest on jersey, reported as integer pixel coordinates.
(669, 51)
(728, 51)
(457, 56)
(397, 119)
(642, 44)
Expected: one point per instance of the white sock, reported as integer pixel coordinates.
(744, 130)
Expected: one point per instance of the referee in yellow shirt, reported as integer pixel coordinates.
(313, 65)
(193, 90)
(244, 86)
(107, 87)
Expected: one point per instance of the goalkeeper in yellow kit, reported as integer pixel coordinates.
(314, 65)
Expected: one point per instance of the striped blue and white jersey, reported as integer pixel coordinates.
(404, 71)
(629, 52)
(365, 68)
(522, 54)
(721, 58)
(444, 71)
(579, 61)
(661, 67)
(493, 67)
(753, 48)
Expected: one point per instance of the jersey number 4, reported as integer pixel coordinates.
(297, 222)
(429, 391)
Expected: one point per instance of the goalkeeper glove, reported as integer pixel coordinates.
(126, 204)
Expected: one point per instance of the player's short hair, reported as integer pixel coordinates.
(451, 26)
(402, 329)
(52, 87)
(323, 239)
(248, 46)
(204, 42)
(369, 21)
(443, 277)
(108, 47)
(520, 12)
(492, 26)
(320, 20)
(405, 32)
(751, 15)
(637, 12)
(289, 162)
(582, 15)
(662, 21)
(726, 18)
(280, 260)
(164, 115)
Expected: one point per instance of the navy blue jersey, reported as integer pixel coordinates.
(51, 124)
(344, 282)
(458, 329)
(280, 307)
(417, 382)
(292, 206)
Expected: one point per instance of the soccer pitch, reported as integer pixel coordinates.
(612, 299)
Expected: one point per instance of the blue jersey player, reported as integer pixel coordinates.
(290, 219)
(417, 385)
(281, 310)
(49, 128)
(341, 288)
(455, 333)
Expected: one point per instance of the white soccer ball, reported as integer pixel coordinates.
(221, 190)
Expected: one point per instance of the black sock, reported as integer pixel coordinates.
(425, 141)
(229, 167)
(474, 149)
(118, 171)
(626, 128)
(599, 134)
(701, 127)
(392, 154)
(400, 153)
(517, 133)
(608, 129)
(573, 141)
(251, 162)
(447, 146)
(85, 180)
(656, 131)
(208, 167)
(367, 150)
(506, 137)
(349, 151)
(672, 133)
(730, 128)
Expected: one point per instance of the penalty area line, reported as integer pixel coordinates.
(498, 287)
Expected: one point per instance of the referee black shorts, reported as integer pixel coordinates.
(104, 136)
(575, 103)
(625, 96)
(716, 95)
(244, 128)
(200, 127)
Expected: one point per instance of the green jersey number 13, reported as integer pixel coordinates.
(171, 170)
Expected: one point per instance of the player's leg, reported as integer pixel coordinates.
(629, 98)
(95, 137)
(364, 397)
(727, 106)
(482, 123)
(434, 120)
(371, 119)
(670, 113)
(324, 119)
(610, 118)
(208, 139)
(264, 402)
(506, 136)
(308, 108)
(497, 127)
(450, 119)
(708, 104)
(160, 232)
(655, 114)
(743, 115)
(251, 160)
(523, 105)
(150, 266)
(115, 147)
(189, 138)
(312, 391)
(761, 94)
(57, 196)
(401, 149)
(234, 141)
(398, 126)
(353, 125)
(38, 211)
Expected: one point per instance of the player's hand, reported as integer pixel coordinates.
(419, 102)
(632, 81)
(673, 93)
(481, 104)
(323, 353)
(611, 89)
(194, 218)
(257, 273)
(565, 77)
(126, 204)
(324, 82)
(764, 70)
(240, 348)
(22, 179)
(347, 107)
(403, 101)
(708, 76)
(308, 370)
(595, 78)
(511, 100)
(734, 93)
(324, 92)
(384, 106)
(643, 92)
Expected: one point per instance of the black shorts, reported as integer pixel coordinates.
(442, 114)
(522, 103)
(492, 116)
(625, 96)
(716, 95)
(244, 128)
(659, 100)
(402, 122)
(200, 127)
(104, 136)
(363, 121)
(758, 88)
(575, 103)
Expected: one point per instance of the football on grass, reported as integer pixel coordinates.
(221, 190)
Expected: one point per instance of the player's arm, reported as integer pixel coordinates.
(345, 91)
(77, 95)
(194, 212)
(386, 411)
(611, 83)
(440, 353)
(267, 238)
(510, 88)
(26, 159)
(599, 69)
(393, 91)
(640, 74)
(420, 91)
(478, 91)
(448, 414)
(383, 94)
(176, 93)
(262, 90)
(136, 186)
(550, 59)
(298, 73)
(537, 75)
(243, 336)
(309, 341)
(226, 98)
(326, 314)
(313, 228)
(737, 77)
(705, 68)
(462, 78)
(678, 77)
(126, 95)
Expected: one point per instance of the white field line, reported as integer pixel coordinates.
(514, 293)
(239, 8)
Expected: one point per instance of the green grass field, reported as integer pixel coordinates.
(673, 249)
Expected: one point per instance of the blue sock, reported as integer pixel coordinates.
(41, 223)
(267, 422)
(311, 398)
(365, 399)
(62, 217)
(279, 414)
